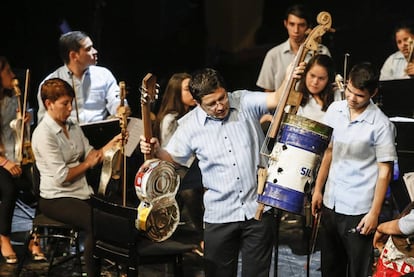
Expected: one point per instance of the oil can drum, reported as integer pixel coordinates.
(294, 161)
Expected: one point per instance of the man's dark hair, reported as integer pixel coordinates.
(70, 41)
(205, 81)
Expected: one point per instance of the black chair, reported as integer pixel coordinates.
(118, 240)
(53, 234)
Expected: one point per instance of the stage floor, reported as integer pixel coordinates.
(291, 257)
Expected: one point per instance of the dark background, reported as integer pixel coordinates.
(134, 37)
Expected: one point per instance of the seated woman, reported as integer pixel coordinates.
(63, 155)
(13, 176)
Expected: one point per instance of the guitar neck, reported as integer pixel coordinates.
(148, 95)
(147, 122)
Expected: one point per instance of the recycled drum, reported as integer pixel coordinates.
(156, 187)
(293, 162)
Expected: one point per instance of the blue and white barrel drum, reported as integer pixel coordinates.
(294, 161)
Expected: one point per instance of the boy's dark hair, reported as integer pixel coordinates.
(364, 76)
(301, 11)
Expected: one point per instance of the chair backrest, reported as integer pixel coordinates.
(114, 227)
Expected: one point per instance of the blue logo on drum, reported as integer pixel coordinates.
(306, 172)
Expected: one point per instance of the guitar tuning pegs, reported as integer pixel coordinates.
(144, 97)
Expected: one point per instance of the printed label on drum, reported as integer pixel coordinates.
(292, 167)
(304, 171)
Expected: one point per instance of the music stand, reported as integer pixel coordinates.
(396, 97)
(100, 132)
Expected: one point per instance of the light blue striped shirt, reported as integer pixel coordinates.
(358, 146)
(229, 154)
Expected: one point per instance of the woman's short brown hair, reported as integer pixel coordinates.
(55, 88)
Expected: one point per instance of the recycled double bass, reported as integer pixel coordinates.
(299, 136)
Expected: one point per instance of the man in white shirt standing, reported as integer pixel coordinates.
(297, 22)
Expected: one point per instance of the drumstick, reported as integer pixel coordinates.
(316, 223)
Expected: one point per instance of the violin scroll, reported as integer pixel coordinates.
(16, 88)
(410, 50)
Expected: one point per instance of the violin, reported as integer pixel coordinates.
(410, 50)
(115, 159)
(339, 80)
(23, 148)
(123, 122)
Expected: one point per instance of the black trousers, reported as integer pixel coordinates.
(8, 196)
(344, 253)
(253, 238)
(76, 212)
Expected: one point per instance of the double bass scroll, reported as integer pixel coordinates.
(289, 95)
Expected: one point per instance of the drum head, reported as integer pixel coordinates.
(404, 245)
(159, 179)
(163, 219)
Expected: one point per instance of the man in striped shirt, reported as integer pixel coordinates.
(224, 133)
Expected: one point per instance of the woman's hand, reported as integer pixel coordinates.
(14, 169)
(27, 118)
(94, 157)
(297, 72)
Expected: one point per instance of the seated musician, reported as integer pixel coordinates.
(400, 64)
(63, 155)
(389, 236)
(13, 176)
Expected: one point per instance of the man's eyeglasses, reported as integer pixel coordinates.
(213, 105)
